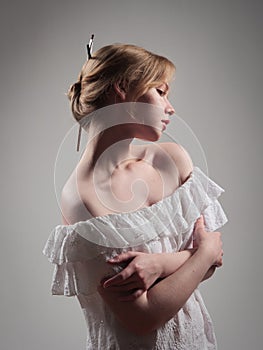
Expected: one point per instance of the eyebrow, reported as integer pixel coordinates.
(166, 86)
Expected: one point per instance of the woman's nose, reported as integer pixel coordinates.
(169, 109)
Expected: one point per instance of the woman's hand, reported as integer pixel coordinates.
(209, 242)
(143, 269)
(141, 273)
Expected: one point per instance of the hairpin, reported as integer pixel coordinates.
(89, 53)
(89, 46)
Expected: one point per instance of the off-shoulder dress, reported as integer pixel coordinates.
(80, 253)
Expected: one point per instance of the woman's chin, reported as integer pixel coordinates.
(151, 134)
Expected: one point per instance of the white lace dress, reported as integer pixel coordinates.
(80, 252)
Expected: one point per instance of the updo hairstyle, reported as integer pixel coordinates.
(135, 69)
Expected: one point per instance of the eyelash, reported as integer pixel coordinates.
(160, 92)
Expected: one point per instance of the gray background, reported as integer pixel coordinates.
(217, 48)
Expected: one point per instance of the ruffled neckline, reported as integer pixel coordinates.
(174, 215)
(181, 208)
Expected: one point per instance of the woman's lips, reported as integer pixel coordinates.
(165, 122)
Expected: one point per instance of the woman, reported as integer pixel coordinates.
(135, 242)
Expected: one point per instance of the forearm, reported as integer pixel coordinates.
(167, 297)
(161, 302)
(145, 269)
(171, 262)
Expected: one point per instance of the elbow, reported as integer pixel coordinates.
(148, 325)
(145, 324)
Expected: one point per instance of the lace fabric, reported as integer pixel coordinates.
(80, 252)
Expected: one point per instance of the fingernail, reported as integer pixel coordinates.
(114, 258)
(105, 285)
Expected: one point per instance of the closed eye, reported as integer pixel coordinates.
(161, 92)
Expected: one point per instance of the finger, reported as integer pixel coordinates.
(219, 262)
(195, 243)
(128, 287)
(122, 257)
(199, 224)
(133, 278)
(133, 296)
(119, 278)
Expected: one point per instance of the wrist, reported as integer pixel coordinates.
(207, 253)
(161, 261)
(171, 262)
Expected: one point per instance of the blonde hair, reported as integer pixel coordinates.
(130, 66)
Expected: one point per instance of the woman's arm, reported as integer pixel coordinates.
(142, 271)
(161, 302)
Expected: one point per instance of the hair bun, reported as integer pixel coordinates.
(74, 91)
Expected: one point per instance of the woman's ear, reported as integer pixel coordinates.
(120, 91)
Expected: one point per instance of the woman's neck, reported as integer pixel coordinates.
(111, 131)
(108, 150)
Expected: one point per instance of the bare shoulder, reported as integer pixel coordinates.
(181, 158)
(65, 204)
(72, 206)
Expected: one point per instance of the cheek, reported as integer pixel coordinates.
(153, 116)
(149, 97)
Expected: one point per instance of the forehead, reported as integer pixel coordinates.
(166, 79)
